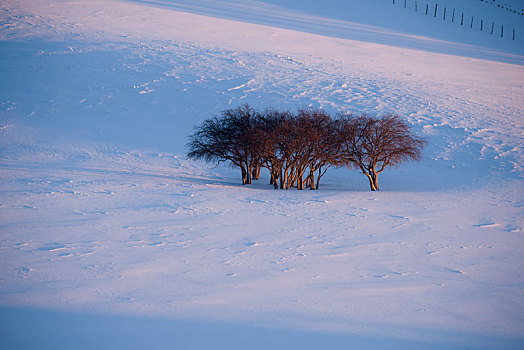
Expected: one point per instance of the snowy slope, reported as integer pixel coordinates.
(105, 222)
(381, 22)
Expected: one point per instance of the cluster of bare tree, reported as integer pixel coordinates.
(298, 148)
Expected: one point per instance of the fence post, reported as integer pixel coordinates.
(492, 27)
(513, 33)
(427, 6)
(481, 24)
(471, 26)
(462, 19)
(453, 17)
(502, 31)
(436, 5)
(444, 14)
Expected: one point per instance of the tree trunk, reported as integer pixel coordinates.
(300, 180)
(307, 182)
(248, 176)
(247, 173)
(256, 172)
(313, 184)
(274, 179)
(292, 179)
(319, 176)
(373, 181)
(244, 176)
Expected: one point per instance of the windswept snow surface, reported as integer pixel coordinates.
(111, 238)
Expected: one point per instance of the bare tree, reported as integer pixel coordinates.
(297, 149)
(272, 143)
(229, 138)
(287, 144)
(317, 130)
(296, 146)
(372, 144)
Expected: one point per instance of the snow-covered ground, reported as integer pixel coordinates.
(111, 238)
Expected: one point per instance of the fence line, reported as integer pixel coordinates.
(444, 12)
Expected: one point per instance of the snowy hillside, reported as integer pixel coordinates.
(111, 238)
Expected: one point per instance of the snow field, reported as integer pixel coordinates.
(101, 212)
(104, 241)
